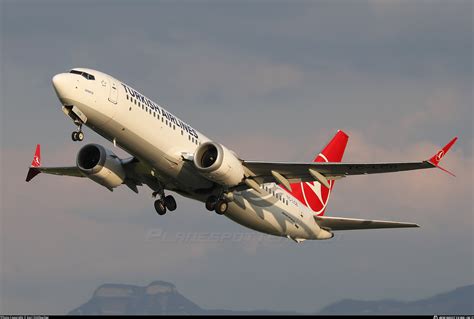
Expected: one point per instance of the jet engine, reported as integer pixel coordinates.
(215, 162)
(100, 165)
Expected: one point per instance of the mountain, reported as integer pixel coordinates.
(458, 301)
(159, 297)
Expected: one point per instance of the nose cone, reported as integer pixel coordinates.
(60, 84)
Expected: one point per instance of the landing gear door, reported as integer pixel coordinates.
(113, 95)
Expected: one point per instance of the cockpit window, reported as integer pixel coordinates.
(84, 74)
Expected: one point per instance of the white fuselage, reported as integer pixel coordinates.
(161, 140)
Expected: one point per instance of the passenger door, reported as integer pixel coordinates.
(113, 95)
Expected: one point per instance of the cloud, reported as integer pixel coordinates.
(272, 82)
(442, 107)
(205, 75)
(421, 196)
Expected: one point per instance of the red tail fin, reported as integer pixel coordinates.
(313, 194)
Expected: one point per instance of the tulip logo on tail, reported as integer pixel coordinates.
(316, 195)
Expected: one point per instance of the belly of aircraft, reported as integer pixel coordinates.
(262, 214)
(270, 219)
(247, 217)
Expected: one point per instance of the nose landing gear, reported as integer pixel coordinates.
(78, 118)
(78, 135)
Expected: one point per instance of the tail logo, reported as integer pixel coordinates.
(315, 195)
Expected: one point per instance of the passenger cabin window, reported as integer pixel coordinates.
(84, 74)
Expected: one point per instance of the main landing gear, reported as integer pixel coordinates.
(164, 202)
(219, 205)
(78, 135)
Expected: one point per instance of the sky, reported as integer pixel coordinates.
(272, 80)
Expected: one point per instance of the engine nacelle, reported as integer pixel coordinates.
(100, 165)
(218, 164)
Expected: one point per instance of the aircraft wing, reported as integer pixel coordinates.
(341, 223)
(36, 168)
(287, 173)
(135, 176)
(299, 172)
(65, 171)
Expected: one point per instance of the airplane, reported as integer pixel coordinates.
(278, 198)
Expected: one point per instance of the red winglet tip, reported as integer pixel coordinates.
(33, 170)
(445, 170)
(343, 133)
(442, 152)
(37, 157)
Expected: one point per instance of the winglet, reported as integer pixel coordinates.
(33, 171)
(440, 154)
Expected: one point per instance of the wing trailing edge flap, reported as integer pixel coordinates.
(341, 223)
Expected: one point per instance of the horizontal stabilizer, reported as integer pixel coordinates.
(341, 223)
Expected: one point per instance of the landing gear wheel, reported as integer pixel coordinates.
(211, 203)
(77, 136)
(170, 203)
(160, 207)
(221, 207)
